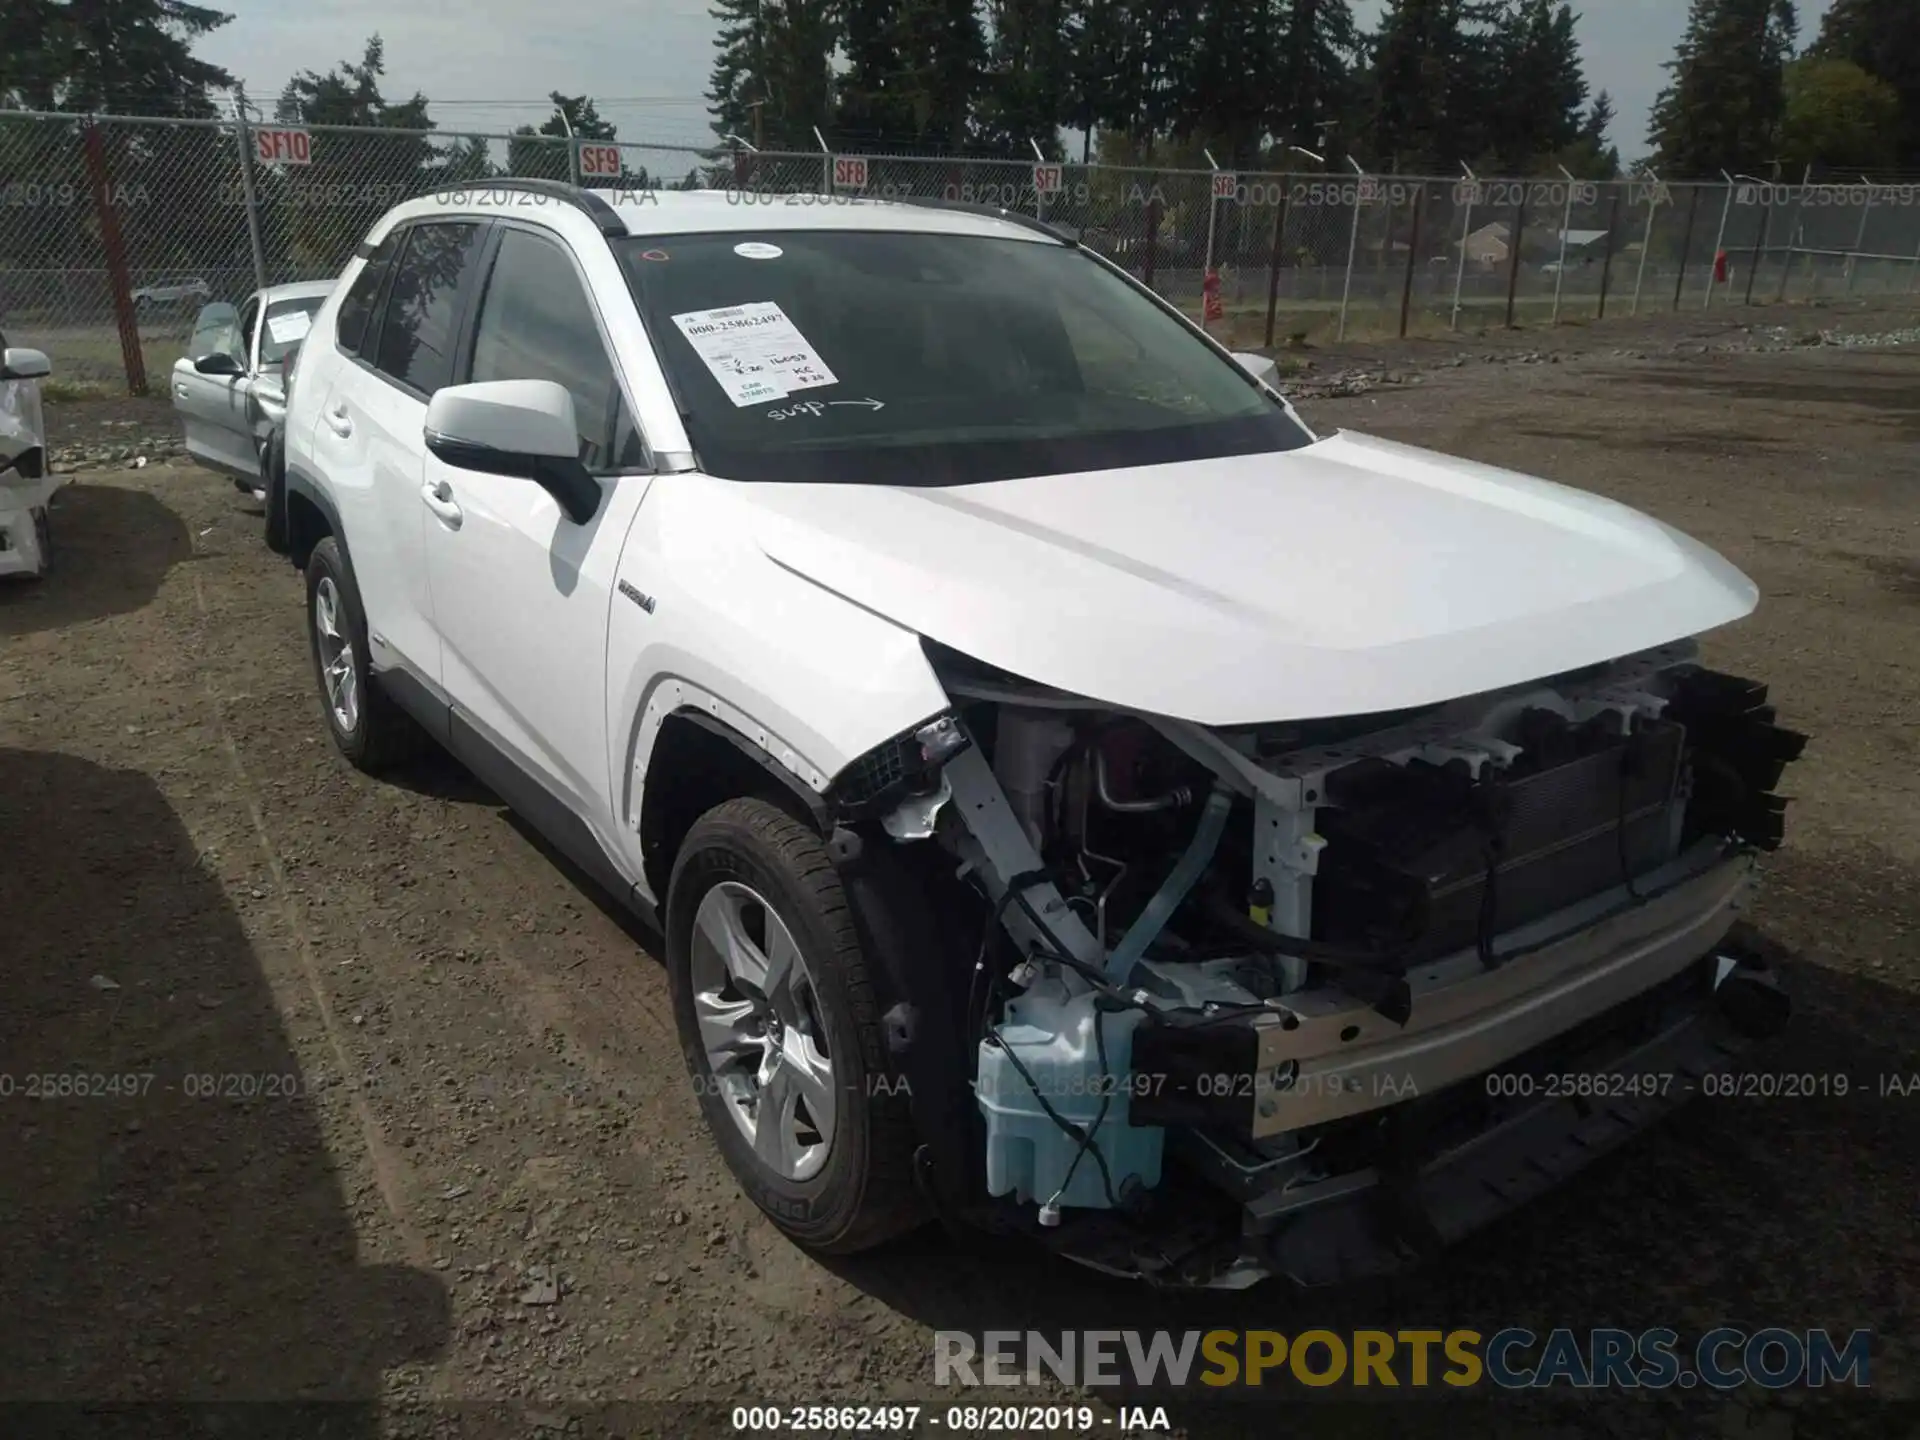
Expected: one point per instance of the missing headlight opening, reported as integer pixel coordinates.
(1238, 992)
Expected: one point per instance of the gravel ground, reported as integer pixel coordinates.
(393, 1113)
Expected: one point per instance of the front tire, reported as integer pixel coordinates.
(781, 1031)
(366, 726)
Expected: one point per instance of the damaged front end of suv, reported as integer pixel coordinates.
(1316, 998)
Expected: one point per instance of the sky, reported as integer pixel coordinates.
(646, 63)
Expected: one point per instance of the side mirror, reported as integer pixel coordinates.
(1260, 367)
(521, 428)
(219, 363)
(20, 363)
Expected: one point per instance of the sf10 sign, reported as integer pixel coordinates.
(1049, 179)
(1226, 184)
(599, 162)
(276, 145)
(849, 172)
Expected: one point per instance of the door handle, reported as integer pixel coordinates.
(439, 497)
(338, 422)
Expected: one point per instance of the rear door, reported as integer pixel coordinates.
(368, 443)
(213, 408)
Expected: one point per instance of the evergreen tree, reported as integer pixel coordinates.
(1592, 156)
(542, 153)
(1435, 83)
(1026, 91)
(128, 57)
(1882, 37)
(1317, 47)
(772, 79)
(1542, 90)
(1219, 84)
(1723, 108)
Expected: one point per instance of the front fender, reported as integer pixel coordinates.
(703, 620)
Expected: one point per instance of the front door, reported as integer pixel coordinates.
(213, 409)
(521, 593)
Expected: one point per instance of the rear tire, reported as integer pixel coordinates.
(749, 872)
(367, 727)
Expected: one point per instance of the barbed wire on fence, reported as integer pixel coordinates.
(113, 230)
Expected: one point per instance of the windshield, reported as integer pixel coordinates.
(287, 324)
(901, 358)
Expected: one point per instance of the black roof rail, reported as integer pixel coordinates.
(591, 202)
(991, 212)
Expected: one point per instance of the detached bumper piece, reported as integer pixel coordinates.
(1738, 753)
(1428, 1173)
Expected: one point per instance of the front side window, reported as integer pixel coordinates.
(912, 358)
(356, 306)
(535, 323)
(415, 344)
(216, 330)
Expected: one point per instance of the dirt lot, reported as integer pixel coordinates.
(461, 1167)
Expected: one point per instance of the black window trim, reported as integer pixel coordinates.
(470, 324)
(366, 252)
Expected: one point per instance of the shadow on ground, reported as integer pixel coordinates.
(174, 1227)
(112, 548)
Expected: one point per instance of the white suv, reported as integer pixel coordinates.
(1076, 798)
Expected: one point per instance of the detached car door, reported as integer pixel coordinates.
(213, 409)
(521, 593)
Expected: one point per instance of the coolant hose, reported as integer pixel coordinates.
(1151, 921)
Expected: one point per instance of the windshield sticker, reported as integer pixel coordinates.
(754, 351)
(758, 250)
(653, 254)
(289, 326)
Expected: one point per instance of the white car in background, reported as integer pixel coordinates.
(26, 486)
(229, 389)
(176, 291)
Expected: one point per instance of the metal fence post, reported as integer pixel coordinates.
(1466, 233)
(1860, 240)
(1279, 249)
(244, 137)
(1799, 213)
(1513, 265)
(1153, 236)
(1566, 226)
(1760, 245)
(1413, 256)
(1353, 243)
(115, 247)
(1713, 270)
(1913, 276)
(1606, 266)
(1646, 242)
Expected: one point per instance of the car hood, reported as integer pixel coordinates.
(1351, 576)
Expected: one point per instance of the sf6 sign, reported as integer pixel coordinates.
(599, 162)
(276, 145)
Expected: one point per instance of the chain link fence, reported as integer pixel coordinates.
(115, 231)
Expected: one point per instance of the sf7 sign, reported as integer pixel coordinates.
(1048, 179)
(599, 162)
(277, 145)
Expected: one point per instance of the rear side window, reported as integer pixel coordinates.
(423, 305)
(536, 324)
(356, 306)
